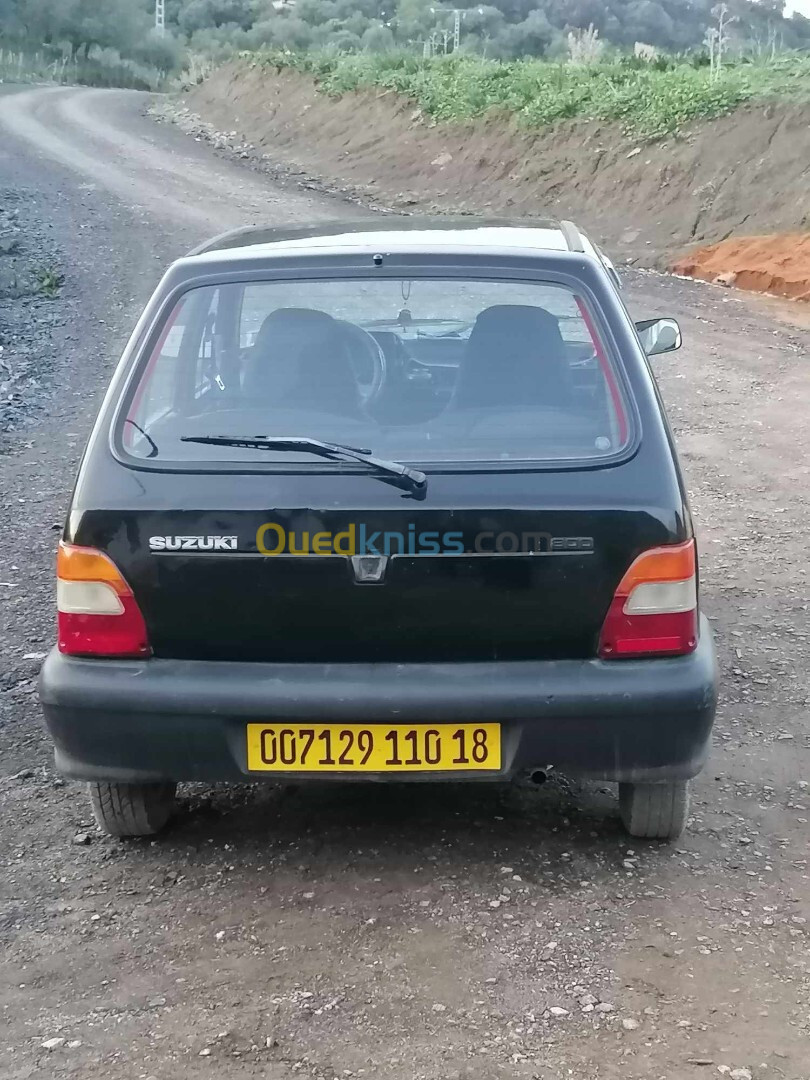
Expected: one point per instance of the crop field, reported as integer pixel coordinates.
(653, 100)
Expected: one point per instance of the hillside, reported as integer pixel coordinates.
(646, 200)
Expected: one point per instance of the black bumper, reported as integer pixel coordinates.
(133, 720)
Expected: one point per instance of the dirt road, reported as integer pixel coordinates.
(386, 932)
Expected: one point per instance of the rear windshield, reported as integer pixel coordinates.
(422, 370)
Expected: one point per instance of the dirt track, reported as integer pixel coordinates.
(354, 931)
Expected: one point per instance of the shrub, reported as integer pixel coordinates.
(651, 99)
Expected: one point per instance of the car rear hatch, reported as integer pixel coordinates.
(507, 584)
(541, 490)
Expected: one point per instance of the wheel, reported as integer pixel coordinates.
(657, 811)
(132, 809)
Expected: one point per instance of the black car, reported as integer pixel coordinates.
(390, 501)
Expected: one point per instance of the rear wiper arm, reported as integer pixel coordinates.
(410, 479)
(152, 444)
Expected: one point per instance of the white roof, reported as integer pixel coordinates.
(486, 239)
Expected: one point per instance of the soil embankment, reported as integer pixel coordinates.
(778, 264)
(741, 174)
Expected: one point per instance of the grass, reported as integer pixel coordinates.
(651, 100)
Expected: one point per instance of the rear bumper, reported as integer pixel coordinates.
(133, 720)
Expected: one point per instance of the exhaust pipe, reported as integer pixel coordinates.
(538, 776)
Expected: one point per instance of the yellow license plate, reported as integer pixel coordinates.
(373, 748)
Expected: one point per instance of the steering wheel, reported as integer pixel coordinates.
(367, 360)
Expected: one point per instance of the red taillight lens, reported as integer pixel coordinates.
(97, 612)
(654, 610)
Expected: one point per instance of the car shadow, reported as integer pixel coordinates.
(337, 820)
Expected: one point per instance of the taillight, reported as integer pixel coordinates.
(654, 610)
(98, 614)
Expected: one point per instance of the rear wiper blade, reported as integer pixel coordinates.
(410, 479)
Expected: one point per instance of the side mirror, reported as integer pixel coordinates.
(659, 335)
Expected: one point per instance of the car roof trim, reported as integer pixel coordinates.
(572, 235)
(399, 233)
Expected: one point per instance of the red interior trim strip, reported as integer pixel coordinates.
(129, 433)
(607, 371)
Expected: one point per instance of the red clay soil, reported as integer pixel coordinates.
(778, 264)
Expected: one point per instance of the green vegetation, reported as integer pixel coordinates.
(653, 100)
(95, 67)
(496, 29)
(385, 42)
(49, 281)
(97, 42)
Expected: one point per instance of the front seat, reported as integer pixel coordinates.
(515, 356)
(300, 360)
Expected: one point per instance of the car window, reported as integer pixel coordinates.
(154, 395)
(205, 368)
(443, 370)
(365, 301)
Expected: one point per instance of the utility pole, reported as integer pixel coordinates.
(456, 29)
(160, 18)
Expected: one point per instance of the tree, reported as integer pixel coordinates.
(344, 41)
(503, 28)
(200, 14)
(293, 33)
(578, 14)
(108, 24)
(377, 38)
(483, 22)
(536, 33)
(316, 12)
(8, 18)
(646, 20)
(415, 18)
(371, 9)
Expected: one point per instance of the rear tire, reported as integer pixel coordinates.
(655, 811)
(132, 809)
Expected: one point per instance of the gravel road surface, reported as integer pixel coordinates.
(351, 931)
